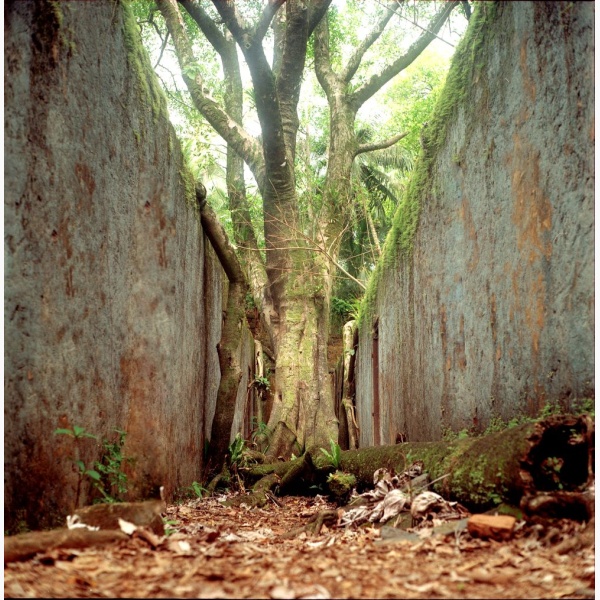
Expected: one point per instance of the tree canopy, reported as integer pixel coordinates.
(302, 118)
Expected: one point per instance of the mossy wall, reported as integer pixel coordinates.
(113, 296)
(484, 298)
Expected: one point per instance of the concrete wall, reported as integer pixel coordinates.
(492, 313)
(113, 296)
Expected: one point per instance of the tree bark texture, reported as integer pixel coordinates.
(349, 334)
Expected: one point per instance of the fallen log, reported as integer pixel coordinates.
(26, 545)
(553, 456)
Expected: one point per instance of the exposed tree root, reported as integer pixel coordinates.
(315, 523)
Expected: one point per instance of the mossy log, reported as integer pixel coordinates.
(551, 455)
(511, 466)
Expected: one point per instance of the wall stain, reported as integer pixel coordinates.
(467, 218)
(86, 180)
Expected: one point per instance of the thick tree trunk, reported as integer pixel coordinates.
(303, 414)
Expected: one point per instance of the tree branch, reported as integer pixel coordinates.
(360, 96)
(325, 73)
(368, 41)
(259, 31)
(380, 145)
(317, 10)
(206, 24)
(289, 79)
(229, 129)
(219, 239)
(267, 103)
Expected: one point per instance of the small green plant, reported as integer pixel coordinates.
(167, 523)
(113, 481)
(335, 456)
(79, 433)
(198, 489)
(262, 383)
(236, 450)
(496, 424)
(550, 408)
(584, 406)
(106, 474)
(261, 434)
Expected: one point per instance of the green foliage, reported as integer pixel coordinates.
(580, 406)
(262, 383)
(449, 435)
(79, 433)
(76, 432)
(550, 408)
(106, 475)
(343, 311)
(260, 435)
(198, 489)
(236, 449)
(249, 303)
(497, 424)
(335, 456)
(170, 526)
(112, 483)
(411, 98)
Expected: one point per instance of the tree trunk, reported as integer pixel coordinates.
(349, 333)
(231, 334)
(303, 414)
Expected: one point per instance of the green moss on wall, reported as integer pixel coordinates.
(464, 69)
(189, 186)
(139, 62)
(151, 94)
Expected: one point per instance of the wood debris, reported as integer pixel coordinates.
(230, 552)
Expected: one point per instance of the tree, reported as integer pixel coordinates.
(293, 284)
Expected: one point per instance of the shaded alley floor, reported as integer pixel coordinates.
(221, 552)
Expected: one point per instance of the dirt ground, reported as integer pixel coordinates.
(220, 552)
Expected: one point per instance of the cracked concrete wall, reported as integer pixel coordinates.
(113, 296)
(492, 315)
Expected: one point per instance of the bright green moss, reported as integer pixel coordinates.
(150, 91)
(463, 70)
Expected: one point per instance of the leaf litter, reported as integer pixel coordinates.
(216, 551)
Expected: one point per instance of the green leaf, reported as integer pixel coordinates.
(93, 474)
(80, 465)
(63, 432)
